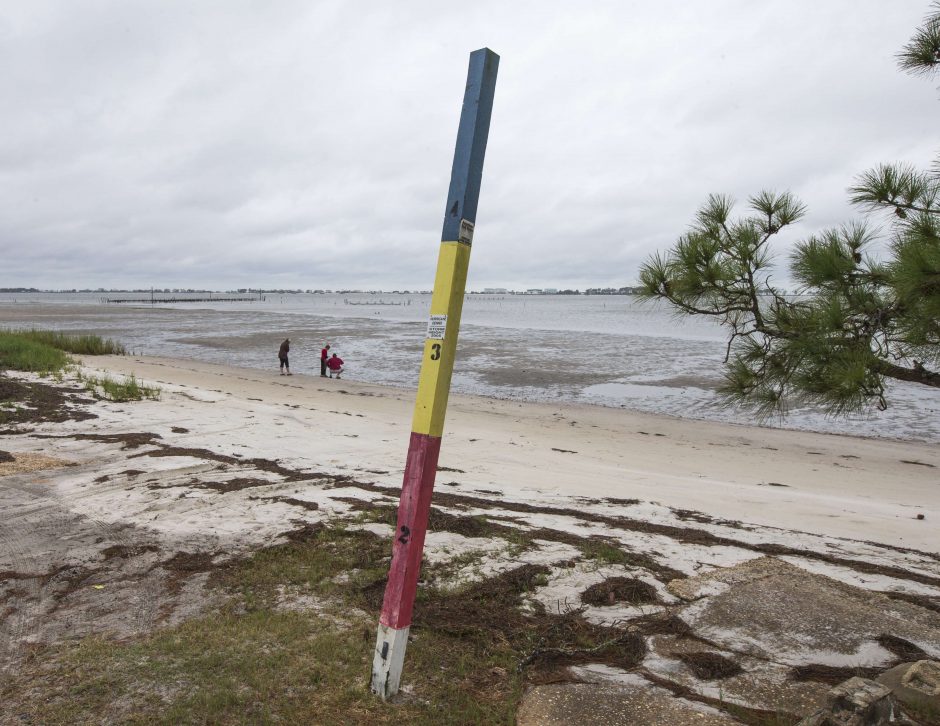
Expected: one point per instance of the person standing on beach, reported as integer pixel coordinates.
(335, 364)
(282, 356)
(324, 354)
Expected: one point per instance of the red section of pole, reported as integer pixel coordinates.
(416, 490)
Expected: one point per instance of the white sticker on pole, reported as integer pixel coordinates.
(437, 326)
(465, 235)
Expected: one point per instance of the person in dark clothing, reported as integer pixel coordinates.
(324, 354)
(282, 356)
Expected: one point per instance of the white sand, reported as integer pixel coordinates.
(835, 486)
(75, 498)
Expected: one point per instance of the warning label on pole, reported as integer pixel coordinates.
(437, 326)
(465, 236)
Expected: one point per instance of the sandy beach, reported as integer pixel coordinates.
(114, 514)
(837, 486)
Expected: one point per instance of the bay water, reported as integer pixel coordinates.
(604, 350)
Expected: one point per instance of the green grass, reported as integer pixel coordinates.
(253, 663)
(69, 342)
(20, 353)
(604, 553)
(333, 551)
(444, 573)
(129, 389)
(46, 351)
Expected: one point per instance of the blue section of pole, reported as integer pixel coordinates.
(472, 133)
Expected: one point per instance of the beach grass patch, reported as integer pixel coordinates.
(444, 574)
(77, 343)
(325, 560)
(603, 552)
(20, 353)
(120, 391)
(373, 511)
(46, 351)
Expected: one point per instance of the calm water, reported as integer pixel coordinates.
(600, 350)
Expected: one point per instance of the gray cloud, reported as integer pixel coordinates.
(299, 144)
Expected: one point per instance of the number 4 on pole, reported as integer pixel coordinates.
(437, 365)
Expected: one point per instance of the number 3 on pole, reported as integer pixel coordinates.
(435, 351)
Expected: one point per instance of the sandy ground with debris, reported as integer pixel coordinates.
(830, 485)
(111, 524)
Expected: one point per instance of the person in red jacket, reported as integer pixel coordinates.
(324, 354)
(335, 364)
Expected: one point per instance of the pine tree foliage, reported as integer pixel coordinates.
(922, 53)
(856, 321)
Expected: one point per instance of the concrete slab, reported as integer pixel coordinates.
(857, 702)
(629, 704)
(915, 684)
(761, 684)
(772, 610)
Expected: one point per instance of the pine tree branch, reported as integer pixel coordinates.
(689, 308)
(916, 374)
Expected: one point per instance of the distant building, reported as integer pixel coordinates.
(494, 291)
(612, 291)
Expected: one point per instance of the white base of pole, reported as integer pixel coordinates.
(389, 657)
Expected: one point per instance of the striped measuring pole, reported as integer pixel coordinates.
(437, 365)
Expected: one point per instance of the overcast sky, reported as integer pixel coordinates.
(308, 144)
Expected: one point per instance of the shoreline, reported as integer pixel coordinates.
(407, 391)
(836, 485)
(639, 375)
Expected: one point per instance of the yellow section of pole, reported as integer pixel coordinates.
(440, 346)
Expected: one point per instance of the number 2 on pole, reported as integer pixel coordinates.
(435, 351)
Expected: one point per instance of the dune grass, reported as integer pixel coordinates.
(129, 389)
(70, 342)
(20, 353)
(47, 351)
